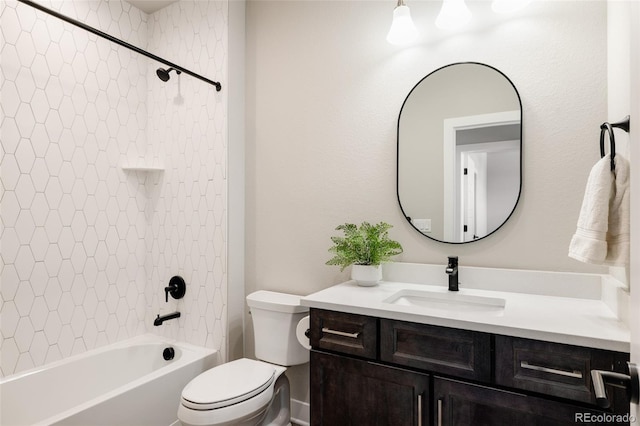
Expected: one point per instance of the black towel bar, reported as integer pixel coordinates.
(608, 127)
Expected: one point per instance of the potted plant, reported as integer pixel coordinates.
(365, 247)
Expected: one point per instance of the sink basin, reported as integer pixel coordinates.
(446, 301)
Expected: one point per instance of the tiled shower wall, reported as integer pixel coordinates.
(85, 246)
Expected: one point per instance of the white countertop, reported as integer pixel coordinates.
(577, 321)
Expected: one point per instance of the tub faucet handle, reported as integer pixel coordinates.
(177, 288)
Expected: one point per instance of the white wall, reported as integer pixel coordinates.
(323, 94)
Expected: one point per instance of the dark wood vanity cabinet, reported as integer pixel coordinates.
(370, 371)
(349, 391)
(459, 403)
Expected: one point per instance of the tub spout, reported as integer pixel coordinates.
(160, 319)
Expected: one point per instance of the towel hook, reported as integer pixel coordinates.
(608, 127)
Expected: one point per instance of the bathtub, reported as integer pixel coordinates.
(126, 383)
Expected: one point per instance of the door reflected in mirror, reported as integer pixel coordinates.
(459, 153)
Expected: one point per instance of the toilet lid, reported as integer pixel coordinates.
(228, 384)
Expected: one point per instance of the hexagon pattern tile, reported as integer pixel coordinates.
(86, 248)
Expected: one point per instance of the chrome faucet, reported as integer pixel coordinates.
(452, 271)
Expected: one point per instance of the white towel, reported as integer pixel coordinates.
(602, 235)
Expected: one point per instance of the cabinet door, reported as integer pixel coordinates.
(347, 391)
(463, 404)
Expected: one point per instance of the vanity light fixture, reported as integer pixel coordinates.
(402, 29)
(508, 6)
(454, 14)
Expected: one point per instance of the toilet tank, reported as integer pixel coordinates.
(275, 317)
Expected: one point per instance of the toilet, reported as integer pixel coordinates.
(246, 391)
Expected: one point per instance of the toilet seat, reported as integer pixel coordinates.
(228, 384)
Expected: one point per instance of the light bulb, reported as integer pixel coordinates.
(454, 14)
(508, 6)
(402, 30)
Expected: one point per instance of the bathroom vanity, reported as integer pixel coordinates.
(407, 353)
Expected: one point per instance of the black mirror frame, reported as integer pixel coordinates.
(408, 218)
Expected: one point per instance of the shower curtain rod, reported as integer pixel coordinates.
(104, 35)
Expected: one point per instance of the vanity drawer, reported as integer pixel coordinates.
(553, 368)
(346, 333)
(459, 353)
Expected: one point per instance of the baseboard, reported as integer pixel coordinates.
(300, 413)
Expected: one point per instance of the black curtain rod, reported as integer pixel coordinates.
(104, 35)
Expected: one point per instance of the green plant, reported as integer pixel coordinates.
(364, 245)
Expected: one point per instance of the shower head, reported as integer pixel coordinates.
(164, 74)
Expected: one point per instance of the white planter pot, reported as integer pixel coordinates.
(366, 275)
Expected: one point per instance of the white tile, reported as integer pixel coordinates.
(90, 334)
(78, 321)
(66, 175)
(54, 90)
(67, 46)
(24, 265)
(53, 294)
(88, 101)
(66, 340)
(10, 355)
(26, 49)
(25, 191)
(53, 327)
(10, 209)
(10, 318)
(101, 316)
(78, 224)
(39, 279)
(67, 112)
(40, 178)
(66, 211)
(79, 194)
(24, 334)
(78, 257)
(10, 25)
(112, 299)
(40, 71)
(65, 275)
(25, 84)
(39, 313)
(53, 354)
(10, 98)
(54, 159)
(78, 346)
(80, 68)
(25, 120)
(25, 156)
(53, 193)
(9, 172)
(39, 244)
(24, 298)
(10, 246)
(53, 122)
(52, 260)
(39, 348)
(78, 289)
(66, 307)
(40, 106)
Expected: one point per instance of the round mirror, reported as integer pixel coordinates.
(460, 152)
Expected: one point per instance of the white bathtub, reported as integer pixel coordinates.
(128, 383)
